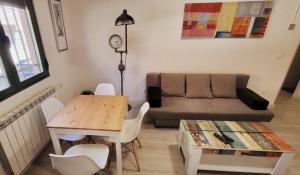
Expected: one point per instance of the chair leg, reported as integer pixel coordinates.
(104, 171)
(136, 159)
(107, 171)
(90, 139)
(140, 145)
(110, 154)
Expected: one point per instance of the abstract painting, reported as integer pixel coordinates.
(226, 19)
(58, 25)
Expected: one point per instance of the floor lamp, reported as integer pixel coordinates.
(116, 42)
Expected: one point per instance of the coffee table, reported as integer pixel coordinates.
(256, 149)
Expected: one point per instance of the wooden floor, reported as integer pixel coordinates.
(160, 155)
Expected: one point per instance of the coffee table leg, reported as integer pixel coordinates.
(282, 163)
(180, 135)
(192, 163)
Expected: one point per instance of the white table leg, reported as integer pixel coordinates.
(119, 156)
(180, 135)
(55, 142)
(282, 164)
(192, 163)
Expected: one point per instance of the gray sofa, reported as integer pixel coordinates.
(179, 106)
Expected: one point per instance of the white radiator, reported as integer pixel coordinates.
(23, 134)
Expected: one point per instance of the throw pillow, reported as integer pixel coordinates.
(198, 86)
(173, 84)
(223, 86)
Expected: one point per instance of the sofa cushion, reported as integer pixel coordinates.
(198, 86)
(214, 106)
(223, 86)
(208, 109)
(173, 84)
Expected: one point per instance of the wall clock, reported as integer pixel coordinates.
(115, 41)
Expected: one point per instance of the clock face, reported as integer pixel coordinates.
(115, 41)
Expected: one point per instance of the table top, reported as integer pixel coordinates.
(103, 113)
(251, 136)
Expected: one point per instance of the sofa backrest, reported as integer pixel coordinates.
(154, 79)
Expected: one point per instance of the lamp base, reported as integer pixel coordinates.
(129, 107)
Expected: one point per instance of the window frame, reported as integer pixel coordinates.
(15, 84)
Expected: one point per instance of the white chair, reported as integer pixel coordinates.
(105, 89)
(50, 108)
(130, 130)
(85, 159)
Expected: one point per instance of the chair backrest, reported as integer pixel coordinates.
(74, 165)
(51, 107)
(144, 109)
(105, 89)
(132, 127)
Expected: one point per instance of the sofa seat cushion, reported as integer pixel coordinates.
(223, 86)
(198, 86)
(208, 109)
(216, 105)
(173, 84)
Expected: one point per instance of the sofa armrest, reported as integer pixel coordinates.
(251, 99)
(154, 96)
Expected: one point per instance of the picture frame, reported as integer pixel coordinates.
(58, 24)
(220, 20)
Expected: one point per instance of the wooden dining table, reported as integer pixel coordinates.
(91, 115)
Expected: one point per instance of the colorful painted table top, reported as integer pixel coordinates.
(251, 136)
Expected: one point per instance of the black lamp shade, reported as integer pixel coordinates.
(124, 19)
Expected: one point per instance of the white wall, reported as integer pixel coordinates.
(155, 45)
(293, 75)
(61, 64)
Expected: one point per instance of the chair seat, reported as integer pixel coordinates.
(71, 137)
(97, 152)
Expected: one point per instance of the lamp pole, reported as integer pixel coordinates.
(123, 19)
(121, 68)
(126, 39)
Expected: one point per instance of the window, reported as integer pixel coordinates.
(4, 84)
(23, 61)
